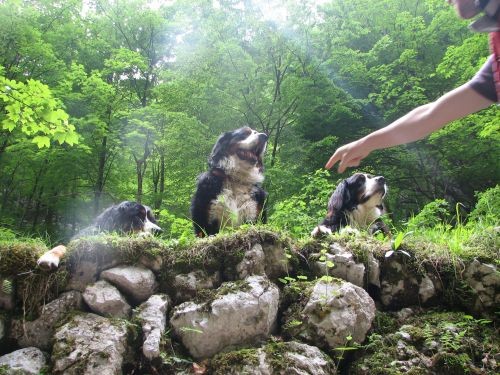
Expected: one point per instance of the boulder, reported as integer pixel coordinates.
(186, 286)
(27, 361)
(268, 259)
(104, 299)
(137, 282)
(402, 285)
(274, 358)
(238, 313)
(253, 262)
(344, 266)
(6, 294)
(330, 314)
(152, 317)
(484, 279)
(90, 344)
(39, 332)
(87, 259)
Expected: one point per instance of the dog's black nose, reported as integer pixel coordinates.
(263, 137)
(381, 180)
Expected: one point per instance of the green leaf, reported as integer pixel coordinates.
(41, 141)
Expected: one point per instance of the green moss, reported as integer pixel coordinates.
(455, 343)
(226, 363)
(18, 257)
(384, 323)
(450, 363)
(207, 296)
(275, 354)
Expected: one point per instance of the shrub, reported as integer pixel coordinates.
(487, 210)
(432, 214)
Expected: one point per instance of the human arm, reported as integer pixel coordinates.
(413, 126)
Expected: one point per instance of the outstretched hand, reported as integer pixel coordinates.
(349, 155)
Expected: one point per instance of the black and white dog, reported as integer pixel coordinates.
(356, 202)
(126, 217)
(229, 194)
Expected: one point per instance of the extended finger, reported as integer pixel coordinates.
(333, 159)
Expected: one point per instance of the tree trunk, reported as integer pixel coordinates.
(99, 185)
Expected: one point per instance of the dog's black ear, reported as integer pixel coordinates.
(339, 198)
(219, 150)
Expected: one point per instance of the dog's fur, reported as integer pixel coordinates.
(229, 194)
(356, 202)
(126, 217)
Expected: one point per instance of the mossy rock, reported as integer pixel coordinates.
(431, 342)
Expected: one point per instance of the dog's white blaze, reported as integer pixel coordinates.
(238, 170)
(363, 216)
(250, 142)
(150, 226)
(366, 213)
(234, 206)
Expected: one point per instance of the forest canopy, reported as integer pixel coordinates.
(102, 101)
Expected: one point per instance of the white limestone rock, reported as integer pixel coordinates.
(484, 279)
(39, 332)
(26, 361)
(333, 311)
(344, 266)
(152, 316)
(186, 286)
(137, 282)
(90, 344)
(253, 262)
(104, 299)
(241, 313)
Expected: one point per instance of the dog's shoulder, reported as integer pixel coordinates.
(209, 183)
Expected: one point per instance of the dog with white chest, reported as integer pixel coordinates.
(356, 202)
(230, 193)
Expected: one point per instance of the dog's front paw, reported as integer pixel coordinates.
(321, 230)
(48, 261)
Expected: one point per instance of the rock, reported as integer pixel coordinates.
(399, 285)
(152, 316)
(186, 286)
(344, 266)
(90, 344)
(484, 279)
(276, 262)
(253, 262)
(404, 314)
(40, 331)
(373, 271)
(331, 313)
(273, 359)
(154, 263)
(6, 294)
(240, 313)
(2, 328)
(426, 289)
(25, 361)
(104, 299)
(87, 260)
(137, 282)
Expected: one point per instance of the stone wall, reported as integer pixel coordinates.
(252, 302)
